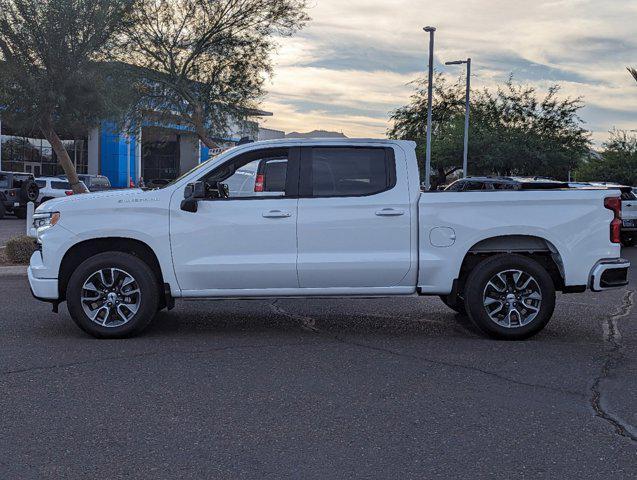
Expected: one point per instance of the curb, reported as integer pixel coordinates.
(13, 270)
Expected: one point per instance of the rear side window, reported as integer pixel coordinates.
(100, 182)
(337, 172)
(455, 186)
(504, 186)
(473, 186)
(274, 174)
(40, 183)
(61, 185)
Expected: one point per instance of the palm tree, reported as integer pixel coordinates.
(633, 72)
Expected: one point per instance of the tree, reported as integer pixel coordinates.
(52, 77)
(617, 162)
(512, 131)
(205, 61)
(410, 123)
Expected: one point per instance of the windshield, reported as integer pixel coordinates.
(203, 164)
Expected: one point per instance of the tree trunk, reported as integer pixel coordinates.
(200, 130)
(63, 158)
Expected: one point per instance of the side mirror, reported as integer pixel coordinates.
(192, 194)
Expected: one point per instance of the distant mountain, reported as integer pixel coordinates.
(316, 134)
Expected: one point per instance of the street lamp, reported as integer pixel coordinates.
(431, 31)
(466, 116)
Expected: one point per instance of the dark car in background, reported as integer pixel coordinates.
(16, 190)
(472, 184)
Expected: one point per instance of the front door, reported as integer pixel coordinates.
(354, 226)
(242, 238)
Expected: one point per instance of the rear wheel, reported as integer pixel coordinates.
(510, 297)
(2, 210)
(113, 295)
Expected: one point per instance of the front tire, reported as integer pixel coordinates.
(509, 297)
(113, 295)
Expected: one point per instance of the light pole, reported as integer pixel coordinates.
(465, 155)
(430, 84)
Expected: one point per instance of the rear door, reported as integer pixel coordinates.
(353, 218)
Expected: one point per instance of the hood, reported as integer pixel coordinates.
(105, 199)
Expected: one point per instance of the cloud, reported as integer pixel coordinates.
(351, 66)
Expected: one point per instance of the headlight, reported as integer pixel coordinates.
(43, 221)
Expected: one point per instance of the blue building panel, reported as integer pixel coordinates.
(114, 154)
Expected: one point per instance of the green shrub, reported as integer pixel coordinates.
(19, 249)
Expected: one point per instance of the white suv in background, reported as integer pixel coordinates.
(53, 187)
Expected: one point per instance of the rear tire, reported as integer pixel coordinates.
(104, 287)
(509, 297)
(3, 210)
(457, 306)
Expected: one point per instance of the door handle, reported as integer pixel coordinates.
(390, 212)
(276, 214)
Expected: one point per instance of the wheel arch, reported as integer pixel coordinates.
(532, 246)
(83, 250)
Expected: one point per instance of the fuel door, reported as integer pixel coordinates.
(442, 236)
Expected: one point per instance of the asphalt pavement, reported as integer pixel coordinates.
(10, 227)
(384, 388)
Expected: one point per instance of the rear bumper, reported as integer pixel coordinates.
(612, 273)
(42, 288)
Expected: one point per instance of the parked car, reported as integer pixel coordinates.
(16, 190)
(158, 183)
(350, 220)
(471, 184)
(93, 183)
(53, 187)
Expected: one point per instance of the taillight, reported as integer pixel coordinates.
(259, 182)
(615, 204)
(68, 192)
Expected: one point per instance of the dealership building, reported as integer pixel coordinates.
(156, 150)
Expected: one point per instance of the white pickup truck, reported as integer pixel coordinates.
(308, 218)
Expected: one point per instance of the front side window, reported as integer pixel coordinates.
(261, 173)
(61, 185)
(337, 172)
(40, 183)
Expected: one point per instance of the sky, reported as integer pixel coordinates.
(353, 62)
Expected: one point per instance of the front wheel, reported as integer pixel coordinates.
(113, 295)
(510, 297)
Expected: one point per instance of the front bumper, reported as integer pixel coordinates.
(612, 273)
(42, 288)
